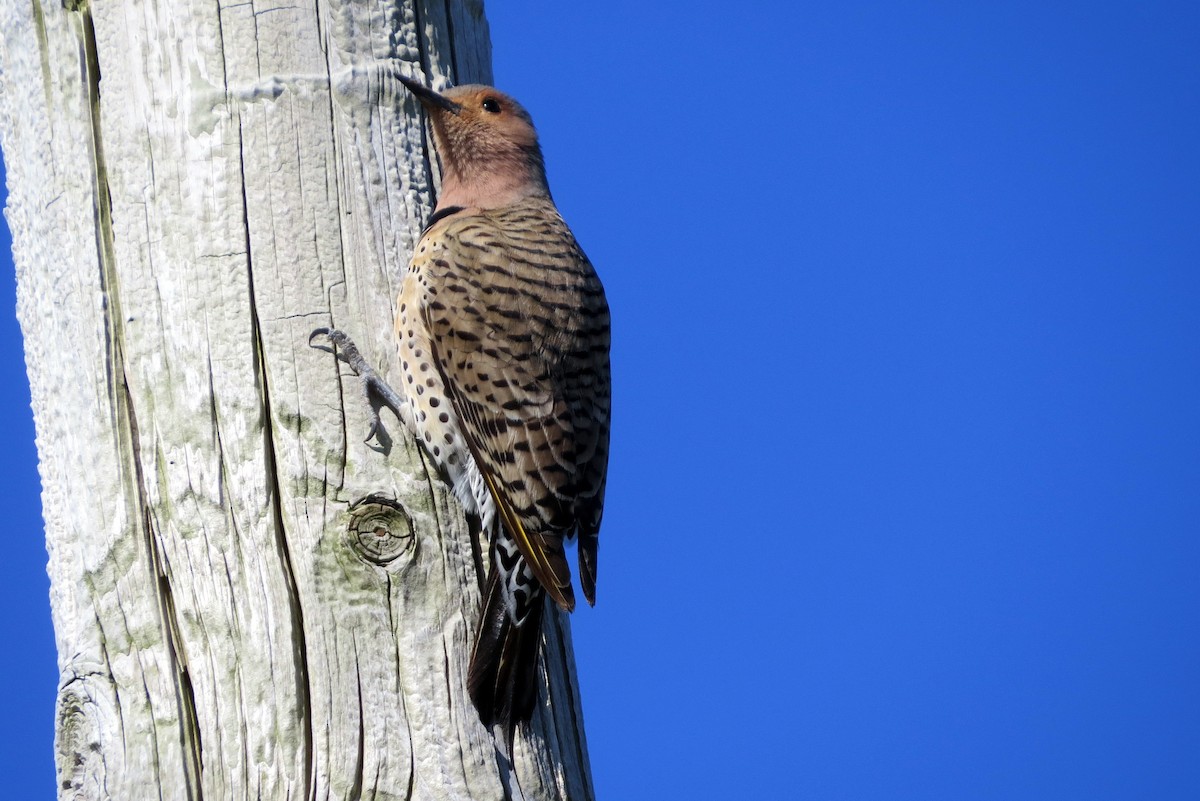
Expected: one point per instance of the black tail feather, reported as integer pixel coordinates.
(502, 677)
(588, 543)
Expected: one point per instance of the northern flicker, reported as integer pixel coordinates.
(503, 335)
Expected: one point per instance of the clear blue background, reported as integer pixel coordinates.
(905, 486)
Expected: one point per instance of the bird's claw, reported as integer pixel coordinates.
(339, 341)
(373, 385)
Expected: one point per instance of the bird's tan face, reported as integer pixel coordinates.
(490, 116)
(487, 145)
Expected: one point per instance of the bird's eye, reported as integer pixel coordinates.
(491, 105)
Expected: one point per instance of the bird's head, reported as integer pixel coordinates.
(487, 145)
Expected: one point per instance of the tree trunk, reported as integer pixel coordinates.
(249, 600)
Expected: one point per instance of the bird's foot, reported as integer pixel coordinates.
(376, 391)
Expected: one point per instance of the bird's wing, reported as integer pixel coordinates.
(516, 328)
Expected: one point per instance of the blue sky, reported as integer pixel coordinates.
(905, 488)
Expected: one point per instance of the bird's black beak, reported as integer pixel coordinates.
(430, 98)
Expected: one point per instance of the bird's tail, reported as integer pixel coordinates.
(502, 676)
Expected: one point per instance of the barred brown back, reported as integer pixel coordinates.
(520, 328)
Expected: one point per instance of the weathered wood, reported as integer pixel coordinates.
(249, 601)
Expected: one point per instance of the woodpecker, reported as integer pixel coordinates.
(503, 335)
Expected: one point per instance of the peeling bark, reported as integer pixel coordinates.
(249, 601)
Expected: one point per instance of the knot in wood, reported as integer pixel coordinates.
(380, 530)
